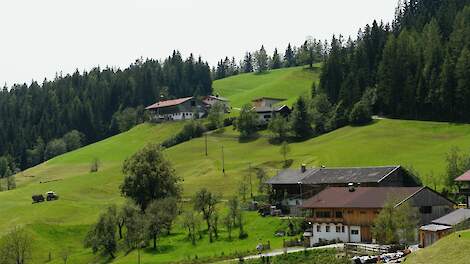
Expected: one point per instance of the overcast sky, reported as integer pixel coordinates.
(41, 37)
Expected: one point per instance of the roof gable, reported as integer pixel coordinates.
(362, 197)
(168, 103)
(453, 218)
(464, 177)
(318, 176)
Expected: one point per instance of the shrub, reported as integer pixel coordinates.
(360, 114)
(192, 129)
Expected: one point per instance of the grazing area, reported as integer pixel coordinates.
(55, 224)
(452, 249)
(87, 180)
(288, 83)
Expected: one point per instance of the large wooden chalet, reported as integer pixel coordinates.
(347, 213)
(291, 186)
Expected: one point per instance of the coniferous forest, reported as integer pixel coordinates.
(35, 120)
(416, 67)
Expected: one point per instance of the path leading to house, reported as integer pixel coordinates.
(281, 251)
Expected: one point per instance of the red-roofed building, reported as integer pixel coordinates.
(464, 188)
(347, 213)
(177, 109)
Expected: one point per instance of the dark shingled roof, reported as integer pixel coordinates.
(267, 109)
(333, 175)
(453, 218)
(291, 176)
(361, 197)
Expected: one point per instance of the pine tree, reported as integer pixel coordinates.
(301, 119)
(248, 63)
(289, 57)
(276, 60)
(261, 60)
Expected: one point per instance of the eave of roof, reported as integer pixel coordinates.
(268, 98)
(168, 103)
(464, 177)
(266, 109)
(453, 218)
(434, 228)
(361, 197)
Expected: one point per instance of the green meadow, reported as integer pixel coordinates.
(288, 83)
(83, 195)
(452, 249)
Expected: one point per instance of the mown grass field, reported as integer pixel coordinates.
(287, 83)
(64, 223)
(452, 249)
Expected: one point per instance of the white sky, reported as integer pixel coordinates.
(41, 37)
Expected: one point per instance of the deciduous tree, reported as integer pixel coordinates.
(149, 176)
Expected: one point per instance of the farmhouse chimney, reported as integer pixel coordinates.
(303, 168)
(351, 187)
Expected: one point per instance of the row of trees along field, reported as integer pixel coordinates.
(418, 67)
(97, 103)
(153, 190)
(310, 52)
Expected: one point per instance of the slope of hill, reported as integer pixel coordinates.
(83, 195)
(288, 83)
(452, 249)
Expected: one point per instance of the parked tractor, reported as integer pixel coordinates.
(50, 196)
(38, 198)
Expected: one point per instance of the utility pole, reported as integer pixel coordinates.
(223, 161)
(251, 185)
(205, 136)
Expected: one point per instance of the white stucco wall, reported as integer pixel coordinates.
(332, 235)
(181, 116)
(323, 235)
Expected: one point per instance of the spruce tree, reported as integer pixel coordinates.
(276, 60)
(261, 59)
(248, 63)
(301, 119)
(289, 57)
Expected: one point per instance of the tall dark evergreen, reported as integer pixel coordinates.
(276, 62)
(31, 116)
(289, 57)
(248, 63)
(418, 65)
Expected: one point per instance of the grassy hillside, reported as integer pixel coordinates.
(283, 83)
(64, 223)
(452, 249)
(422, 145)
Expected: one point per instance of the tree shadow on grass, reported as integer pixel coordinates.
(248, 139)
(287, 163)
(161, 249)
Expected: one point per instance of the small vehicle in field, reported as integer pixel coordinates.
(50, 196)
(38, 198)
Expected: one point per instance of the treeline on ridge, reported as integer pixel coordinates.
(416, 68)
(93, 103)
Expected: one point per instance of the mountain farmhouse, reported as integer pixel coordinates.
(267, 108)
(347, 213)
(211, 100)
(177, 109)
(292, 186)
